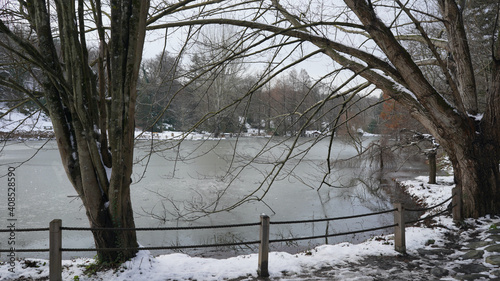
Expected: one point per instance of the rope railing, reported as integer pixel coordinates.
(161, 228)
(25, 229)
(331, 235)
(333, 219)
(179, 247)
(431, 216)
(24, 250)
(15, 230)
(56, 228)
(224, 225)
(429, 208)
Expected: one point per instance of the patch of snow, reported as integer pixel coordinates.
(15, 120)
(430, 194)
(312, 133)
(108, 172)
(398, 86)
(478, 117)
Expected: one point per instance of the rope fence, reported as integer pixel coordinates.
(430, 208)
(163, 247)
(25, 229)
(161, 228)
(332, 234)
(55, 234)
(333, 219)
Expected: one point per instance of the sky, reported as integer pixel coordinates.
(157, 41)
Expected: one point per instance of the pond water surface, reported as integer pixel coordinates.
(179, 187)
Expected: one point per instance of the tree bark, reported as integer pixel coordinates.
(476, 174)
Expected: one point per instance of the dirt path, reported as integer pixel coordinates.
(473, 253)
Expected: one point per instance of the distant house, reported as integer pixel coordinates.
(312, 133)
(253, 131)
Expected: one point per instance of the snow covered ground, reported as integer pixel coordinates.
(24, 123)
(38, 124)
(281, 264)
(175, 135)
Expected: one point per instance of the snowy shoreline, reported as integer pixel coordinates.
(184, 267)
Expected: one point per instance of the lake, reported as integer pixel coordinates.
(192, 183)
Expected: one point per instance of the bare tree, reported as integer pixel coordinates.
(158, 86)
(368, 38)
(217, 81)
(92, 112)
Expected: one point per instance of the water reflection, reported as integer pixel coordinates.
(215, 182)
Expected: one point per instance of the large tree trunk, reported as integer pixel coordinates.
(471, 143)
(99, 169)
(103, 214)
(476, 173)
(478, 178)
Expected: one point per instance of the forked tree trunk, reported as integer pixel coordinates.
(102, 209)
(115, 238)
(77, 109)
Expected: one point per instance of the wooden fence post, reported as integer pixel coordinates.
(55, 254)
(399, 229)
(456, 202)
(263, 270)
